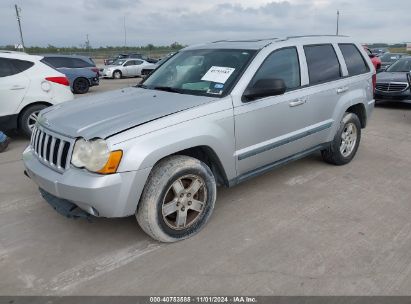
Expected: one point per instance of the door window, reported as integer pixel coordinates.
(10, 67)
(281, 64)
(322, 62)
(356, 64)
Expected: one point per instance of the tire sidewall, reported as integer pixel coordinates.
(117, 73)
(204, 216)
(82, 91)
(348, 118)
(23, 122)
(155, 190)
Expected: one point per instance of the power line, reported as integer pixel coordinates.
(18, 10)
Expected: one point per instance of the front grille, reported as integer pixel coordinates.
(392, 86)
(51, 149)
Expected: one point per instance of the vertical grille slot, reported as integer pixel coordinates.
(50, 149)
(55, 151)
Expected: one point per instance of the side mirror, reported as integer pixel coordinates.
(265, 88)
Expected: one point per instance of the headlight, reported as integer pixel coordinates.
(95, 156)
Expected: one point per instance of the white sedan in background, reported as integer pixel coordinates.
(127, 68)
(27, 86)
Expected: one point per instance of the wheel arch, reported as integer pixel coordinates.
(48, 104)
(208, 156)
(359, 110)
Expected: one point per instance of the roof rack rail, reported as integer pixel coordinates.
(308, 36)
(245, 40)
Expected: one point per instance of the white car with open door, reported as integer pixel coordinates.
(27, 86)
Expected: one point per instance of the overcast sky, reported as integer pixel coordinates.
(161, 22)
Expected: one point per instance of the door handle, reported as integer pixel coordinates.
(342, 90)
(298, 102)
(17, 87)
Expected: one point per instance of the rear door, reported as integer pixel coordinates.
(326, 86)
(13, 84)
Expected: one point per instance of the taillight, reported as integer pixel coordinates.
(60, 80)
(374, 82)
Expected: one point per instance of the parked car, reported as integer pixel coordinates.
(111, 60)
(389, 58)
(394, 83)
(126, 68)
(379, 51)
(237, 110)
(80, 70)
(27, 86)
(376, 61)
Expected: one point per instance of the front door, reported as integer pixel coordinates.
(274, 129)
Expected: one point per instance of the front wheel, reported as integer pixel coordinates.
(177, 200)
(117, 75)
(345, 144)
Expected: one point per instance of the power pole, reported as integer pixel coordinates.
(18, 10)
(125, 33)
(338, 21)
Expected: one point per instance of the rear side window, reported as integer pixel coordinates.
(281, 64)
(58, 62)
(10, 67)
(79, 63)
(355, 62)
(322, 62)
(22, 65)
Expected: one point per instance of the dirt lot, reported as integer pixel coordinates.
(305, 229)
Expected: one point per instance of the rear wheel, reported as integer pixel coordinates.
(177, 200)
(81, 86)
(345, 144)
(28, 118)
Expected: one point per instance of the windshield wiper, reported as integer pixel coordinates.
(168, 89)
(143, 86)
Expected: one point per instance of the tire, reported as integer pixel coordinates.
(345, 144)
(167, 211)
(28, 118)
(81, 86)
(117, 75)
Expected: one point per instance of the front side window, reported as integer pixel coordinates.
(322, 62)
(210, 72)
(356, 64)
(281, 64)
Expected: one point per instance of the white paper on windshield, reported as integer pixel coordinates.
(218, 74)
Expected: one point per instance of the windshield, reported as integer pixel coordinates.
(402, 65)
(200, 72)
(119, 61)
(387, 57)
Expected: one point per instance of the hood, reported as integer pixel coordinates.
(112, 66)
(392, 77)
(108, 113)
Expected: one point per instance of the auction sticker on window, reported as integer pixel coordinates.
(218, 74)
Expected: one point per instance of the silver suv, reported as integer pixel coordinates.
(213, 114)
